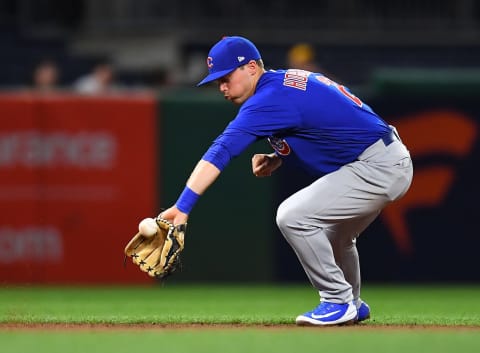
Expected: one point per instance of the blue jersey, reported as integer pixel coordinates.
(310, 121)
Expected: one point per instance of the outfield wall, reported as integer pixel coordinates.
(230, 230)
(77, 174)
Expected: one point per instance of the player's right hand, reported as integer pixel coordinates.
(174, 215)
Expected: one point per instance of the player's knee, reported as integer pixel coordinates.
(285, 218)
(281, 217)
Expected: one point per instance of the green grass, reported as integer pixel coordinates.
(241, 341)
(403, 319)
(427, 305)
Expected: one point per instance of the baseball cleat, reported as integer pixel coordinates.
(327, 313)
(363, 311)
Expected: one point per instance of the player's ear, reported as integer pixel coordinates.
(252, 66)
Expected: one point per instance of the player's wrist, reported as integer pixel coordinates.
(187, 200)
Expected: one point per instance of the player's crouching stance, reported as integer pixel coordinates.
(313, 123)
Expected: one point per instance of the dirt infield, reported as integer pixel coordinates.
(195, 327)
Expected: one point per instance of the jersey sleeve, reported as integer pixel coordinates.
(253, 122)
(227, 146)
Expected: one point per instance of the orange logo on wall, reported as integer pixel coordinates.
(443, 132)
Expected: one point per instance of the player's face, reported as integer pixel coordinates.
(237, 86)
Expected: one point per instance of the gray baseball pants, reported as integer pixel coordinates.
(322, 221)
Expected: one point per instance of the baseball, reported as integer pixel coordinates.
(148, 227)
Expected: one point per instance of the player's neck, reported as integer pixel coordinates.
(256, 79)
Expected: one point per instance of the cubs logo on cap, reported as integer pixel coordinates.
(228, 54)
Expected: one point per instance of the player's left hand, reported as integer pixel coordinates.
(264, 165)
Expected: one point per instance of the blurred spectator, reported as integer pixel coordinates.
(302, 56)
(100, 80)
(45, 77)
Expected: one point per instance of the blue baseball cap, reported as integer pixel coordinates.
(228, 54)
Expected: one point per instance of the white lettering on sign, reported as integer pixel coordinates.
(30, 244)
(33, 149)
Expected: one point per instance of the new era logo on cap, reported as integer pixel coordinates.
(228, 54)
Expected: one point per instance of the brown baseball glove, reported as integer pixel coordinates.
(158, 255)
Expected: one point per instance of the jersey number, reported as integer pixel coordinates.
(350, 96)
(341, 88)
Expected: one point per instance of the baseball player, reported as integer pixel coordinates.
(315, 124)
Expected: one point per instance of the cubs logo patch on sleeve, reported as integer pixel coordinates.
(279, 145)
